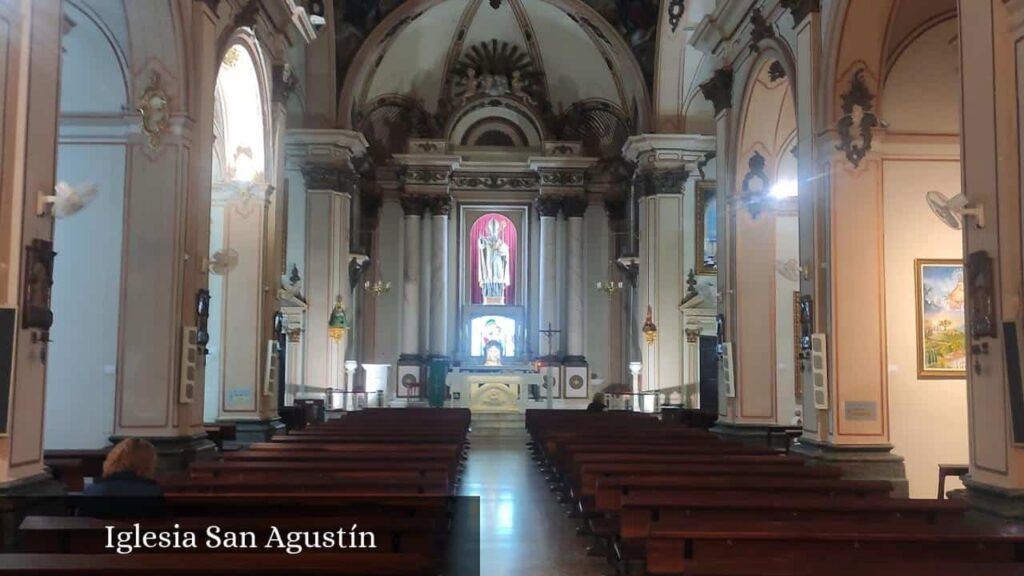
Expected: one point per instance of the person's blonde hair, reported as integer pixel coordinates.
(131, 455)
(599, 397)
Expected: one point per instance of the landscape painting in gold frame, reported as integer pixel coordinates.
(941, 324)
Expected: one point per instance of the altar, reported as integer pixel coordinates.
(504, 391)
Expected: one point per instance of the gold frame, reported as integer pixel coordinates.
(155, 108)
(922, 372)
(700, 201)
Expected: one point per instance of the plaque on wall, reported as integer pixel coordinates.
(8, 332)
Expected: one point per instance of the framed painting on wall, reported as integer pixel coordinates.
(941, 324)
(706, 217)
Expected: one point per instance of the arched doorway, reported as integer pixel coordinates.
(764, 250)
(238, 229)
(83, 361)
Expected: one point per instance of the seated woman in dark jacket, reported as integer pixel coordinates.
(597, 404)
(127, 487)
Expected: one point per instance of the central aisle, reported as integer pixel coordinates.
(523, 529)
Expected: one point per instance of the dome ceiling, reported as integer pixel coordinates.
(558, 58)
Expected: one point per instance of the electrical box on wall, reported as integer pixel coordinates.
(726, 368)
(819, 370)
(270, 370)
(189, 365)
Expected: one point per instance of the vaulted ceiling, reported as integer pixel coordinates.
(415, 49)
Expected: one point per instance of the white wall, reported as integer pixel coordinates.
(82, 359)
(787, 247)
(86, 292)
(928, 418)
(211, 391)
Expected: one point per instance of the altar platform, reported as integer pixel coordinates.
(504, 390)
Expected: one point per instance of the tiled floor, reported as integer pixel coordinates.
(523, 529)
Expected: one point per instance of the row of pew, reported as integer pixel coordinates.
(669, 500)
(389, 472)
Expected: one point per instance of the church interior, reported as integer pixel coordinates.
(574, 287)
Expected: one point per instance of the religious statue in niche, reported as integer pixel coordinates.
(493, 274)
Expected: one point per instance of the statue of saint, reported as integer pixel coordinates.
(493, 266)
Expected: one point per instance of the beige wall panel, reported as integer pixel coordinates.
(755, 316)
(241, 382)
(151, 280)
(858, 306)
(929, 417)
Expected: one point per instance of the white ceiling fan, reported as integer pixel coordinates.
(952, 210)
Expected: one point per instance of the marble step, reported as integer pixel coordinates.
(498, 424)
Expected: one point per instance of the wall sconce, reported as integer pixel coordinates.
(377, 288)
(650, 330)
(755, 186)
(337, 325)
(610, 287)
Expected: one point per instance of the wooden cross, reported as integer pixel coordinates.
(549, 333)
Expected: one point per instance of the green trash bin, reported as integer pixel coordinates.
(437, 385)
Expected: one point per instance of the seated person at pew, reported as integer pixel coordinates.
(597, 404)
(128, 473)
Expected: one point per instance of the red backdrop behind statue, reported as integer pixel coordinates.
(509, 235)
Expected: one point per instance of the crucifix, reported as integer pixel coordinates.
(549, 333)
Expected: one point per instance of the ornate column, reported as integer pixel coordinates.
(27, 166)
(846, 400)
(325, 158)
(562, 180)
(990, 38)
(429, 176)
(574, 209)
(548, 208)
(413, 208)
(663, 164)
(440, 206)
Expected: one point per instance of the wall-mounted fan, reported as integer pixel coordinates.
(952, 210)
(66, 199)
(788, 269)
(223, 261)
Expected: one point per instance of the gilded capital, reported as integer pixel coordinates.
(333, 178)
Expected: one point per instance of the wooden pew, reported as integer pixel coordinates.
(362, 564)
(73, 467)
(670, 551)
(220, 432)
(243, 468)
(819, 567)
(590, 474)
(370, 482)
(641, 513)
(610, 491)
(332, 452)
